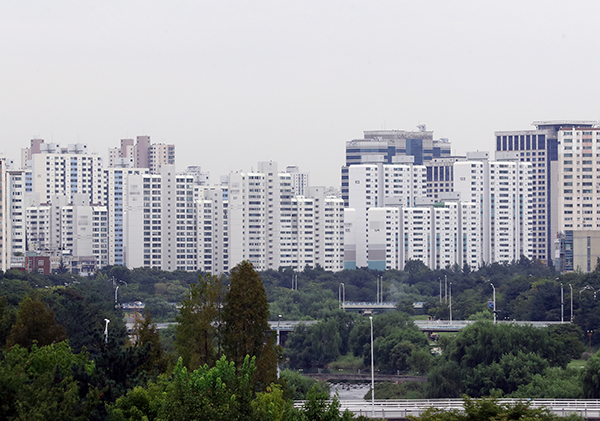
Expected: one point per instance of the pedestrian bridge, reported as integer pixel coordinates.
(402, 409)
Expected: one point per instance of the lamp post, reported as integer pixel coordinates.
(342, 295)
(440, 279)
(116, 296)
(494, 288)
(278, 343)
(589, 332)
(106, 331)
(372, 371)
(450, 302)
(446, 282)
(571, 286)
(562, 304)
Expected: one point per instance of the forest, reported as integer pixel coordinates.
(60, 354)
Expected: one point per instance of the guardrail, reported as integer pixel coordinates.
(401, 409)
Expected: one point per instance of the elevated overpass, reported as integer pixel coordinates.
(456, 325)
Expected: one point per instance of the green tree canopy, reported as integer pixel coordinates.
(35, 323)
(246, 328)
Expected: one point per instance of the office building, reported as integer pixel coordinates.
(392, 147)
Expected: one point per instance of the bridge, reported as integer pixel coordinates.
(366, 306)
(456, 325)
(364, 377)
(402, 409)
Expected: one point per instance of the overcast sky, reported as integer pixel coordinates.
(231, 83)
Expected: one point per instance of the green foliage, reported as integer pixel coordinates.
(491, 409)
(246, 329)
(8, 318)
(37, 383)
(147, 336)
(495, 359)
(591, 377)
(554, 383)
(318, 407)
(389, 390)
(297, 385)
(198, 323)
(213, 394)
(270, 405)
(35, 323)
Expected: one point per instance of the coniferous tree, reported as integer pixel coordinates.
(35, 323)
(246, 327)
(197, 339)
(147, 335)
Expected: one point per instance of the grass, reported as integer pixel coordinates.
(579, 364)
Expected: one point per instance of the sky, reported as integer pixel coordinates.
(232, 83)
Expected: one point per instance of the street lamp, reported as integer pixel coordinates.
(106, 331)
(341, 295)
(571, 286)
(562, 304)
(450, 302)
(494, 288)
(589, 332)
(278, 343)
(372, 371)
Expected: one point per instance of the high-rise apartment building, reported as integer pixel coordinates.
(4, 216)
(539, 147)
(578, 198)
(69, 173)
(373, 186)
(142, 154)
(502, 194)
(115, 200)
(299, 180)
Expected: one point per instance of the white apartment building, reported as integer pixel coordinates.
(502, 192)
(256, 201)
(14, 213)
(300, 180)
(4, 217)
(415, 230)
(212, 232)
(317, 232)
(67, 174)
(152, 223)
(379, 185)
(578, 199)
(271, 228)
(384, 242)
(60, 227)
(115, 200)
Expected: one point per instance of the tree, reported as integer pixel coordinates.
(147, 335)
(246, 328)
(197, 339)
(37, 383)
(35, 323)
(491, 409)
(591, 378)
(8, 317)
(218, 393)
